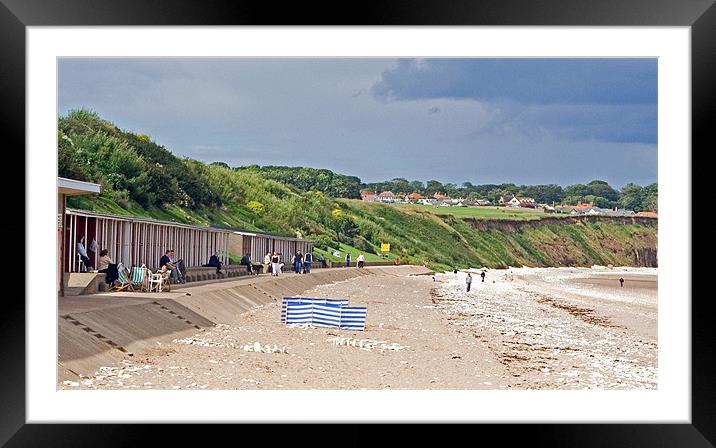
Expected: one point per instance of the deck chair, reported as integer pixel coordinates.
(139, 278)
(122, 281)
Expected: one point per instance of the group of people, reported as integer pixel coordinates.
(468, 279)
(301, 263)
(168, 264)
(360, 261)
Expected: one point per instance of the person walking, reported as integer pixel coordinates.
(468, 281)
(275, 268)
(322, 259)
(482, 274)
(307, 262)
(360, 260)
(348, 259)
(621, 282)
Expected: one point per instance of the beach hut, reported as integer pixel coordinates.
(135, 241)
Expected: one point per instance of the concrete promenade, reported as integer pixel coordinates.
(104, 329)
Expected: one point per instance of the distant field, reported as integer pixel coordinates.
(478, 212)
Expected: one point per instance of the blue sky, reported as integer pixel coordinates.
(525, 121)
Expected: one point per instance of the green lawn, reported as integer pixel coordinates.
(354, 254)
(488, 212)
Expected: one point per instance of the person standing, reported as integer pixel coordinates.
(275, 268)
(322, 259)
(468, 281)
(297, 261)
(86, 262)
(482, 274)
(179, 264)
(267, 262)
(360, 260)
(621, 282)
(307, 262)
(348, 259)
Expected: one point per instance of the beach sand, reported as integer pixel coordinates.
(545, 329)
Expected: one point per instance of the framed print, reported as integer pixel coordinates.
(396, 169)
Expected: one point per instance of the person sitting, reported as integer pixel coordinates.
(214, 263)
(104, 261)
(112, 274)
(246, 261)
(166, 264)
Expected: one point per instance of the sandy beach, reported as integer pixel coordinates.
(552, 328)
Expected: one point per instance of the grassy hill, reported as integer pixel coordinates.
(142, 178)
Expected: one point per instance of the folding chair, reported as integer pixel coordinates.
(139, 278)
(122, 281)
(159, 281)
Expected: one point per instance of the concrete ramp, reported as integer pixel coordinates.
(82, 353)
(136, 328)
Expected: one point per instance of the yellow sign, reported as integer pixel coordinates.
(385, 247)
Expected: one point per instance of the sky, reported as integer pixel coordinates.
(522, 121)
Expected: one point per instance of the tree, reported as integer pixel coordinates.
(433, 187)
(598, 201)
(578, 191)
(650, 197)
(602, 189)
(221, 164)
(630, 197)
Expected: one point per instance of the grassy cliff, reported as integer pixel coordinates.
(142, 178)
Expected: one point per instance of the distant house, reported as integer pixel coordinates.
(506, 199)
(427, 201)
(648, 214)
(514, 202)
(482, 202)
(368, 196)
(414, 197)
(524, 201)
(440, 196)
(570, 209)
(386, 196)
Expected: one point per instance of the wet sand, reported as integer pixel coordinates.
(631, 281)
(554, 328)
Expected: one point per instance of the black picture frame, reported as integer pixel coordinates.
(16, 15)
